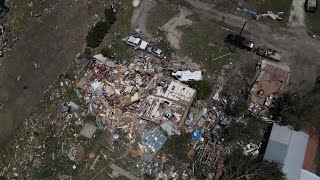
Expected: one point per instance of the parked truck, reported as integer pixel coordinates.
(269, 53)
(239, 41)
(310, 6)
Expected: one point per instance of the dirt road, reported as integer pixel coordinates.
(173, 34)
(139, 16)
(300, 51)
(46, 46)
(297, 14)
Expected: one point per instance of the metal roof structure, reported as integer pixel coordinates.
(306, 175)
(288, 148)
(153, 141)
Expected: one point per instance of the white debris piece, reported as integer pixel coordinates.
(188, 75)
(170, 128)
(135, 3)
(88, 130)
(73, 105)
(100, 58)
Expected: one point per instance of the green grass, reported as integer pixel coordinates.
(313, 21)
(271, 5)
(203, 46)
(123, 24)
(159, 16)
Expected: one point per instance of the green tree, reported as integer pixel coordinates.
(252, 131)
(241, 167)
(291, 109)
(96, 34)
(310, 108)
(107, 52)
(203, 87)
(285, 105)
(110, 16)
(238, 108)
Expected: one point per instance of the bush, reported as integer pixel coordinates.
(252, 131)
(107, 52)
(238, 107)
(96, 34)
(203, 87)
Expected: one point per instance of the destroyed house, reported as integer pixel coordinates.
(271, 81)
(169, 103)
(288, 148)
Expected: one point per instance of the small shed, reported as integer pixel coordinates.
(311, 5)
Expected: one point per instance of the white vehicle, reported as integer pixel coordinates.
(156, 51)
(136, 42)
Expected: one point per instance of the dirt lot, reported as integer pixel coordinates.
(299, 50)
(51, 41)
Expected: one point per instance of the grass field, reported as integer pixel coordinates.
(159, 16)
(313, 21)
(205, 47)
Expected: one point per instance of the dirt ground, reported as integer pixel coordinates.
(139, 17)
(173, 34)
(49, 42)
(300, 51)
(297, 14)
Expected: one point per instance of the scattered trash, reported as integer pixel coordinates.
(36, 65)
(272, 15)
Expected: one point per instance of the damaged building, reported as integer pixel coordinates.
(126, 97)
(271, 80)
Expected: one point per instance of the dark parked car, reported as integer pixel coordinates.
(239, 41)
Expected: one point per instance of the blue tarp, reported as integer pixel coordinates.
(250, 11)
(197, 135)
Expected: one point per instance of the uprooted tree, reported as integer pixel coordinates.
(241, 167)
